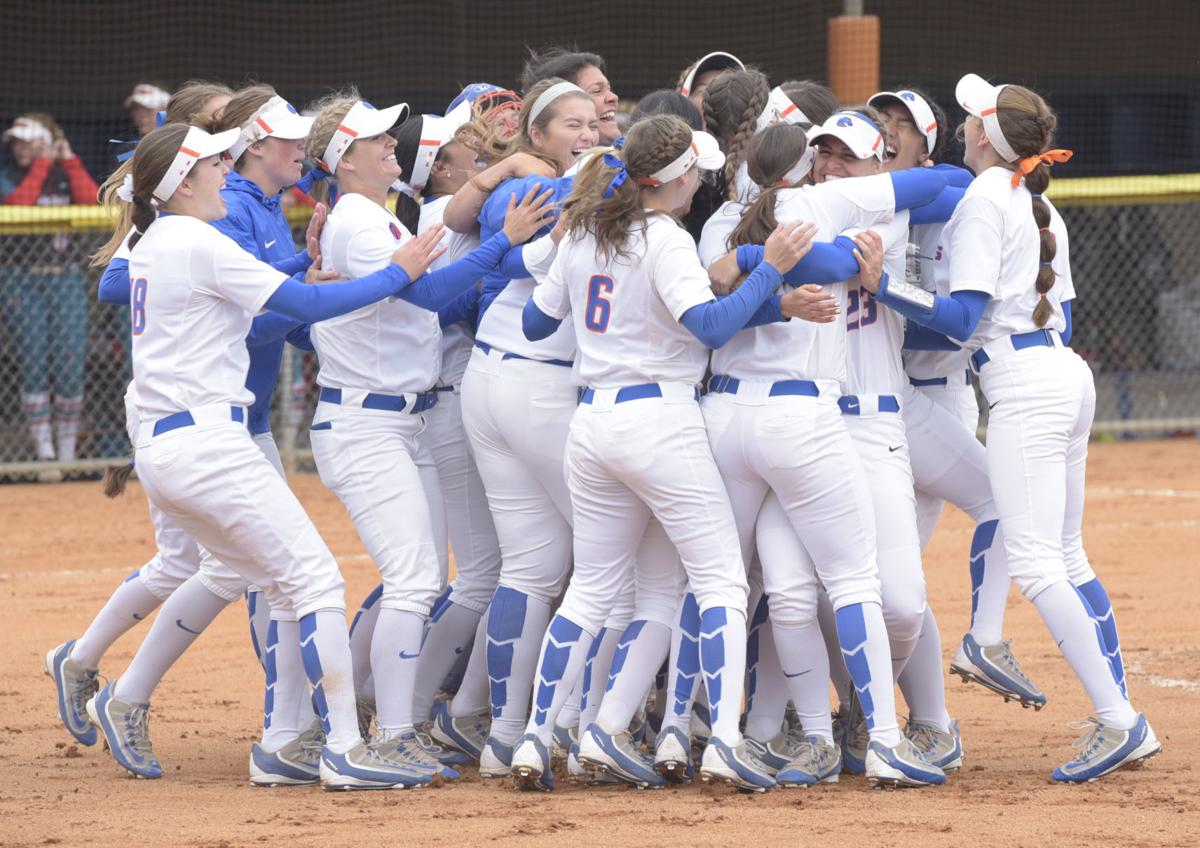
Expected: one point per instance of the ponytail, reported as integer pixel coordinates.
(758, 221)
(732, 104)
(121, 212)
(1037, 181)
(142, 216)
(770, 158)
(115, 478)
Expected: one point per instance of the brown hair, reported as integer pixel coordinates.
(652, 144)
(816, 100)
(770, 155)
(47, 121)
(239, 110)
(732, 104)
(491, 146)
(556, 63)
(190, 102)
(1028, 124)
(151, 160)
(330, 111)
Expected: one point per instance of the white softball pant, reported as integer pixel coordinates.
(1042, 401)
(371, 459)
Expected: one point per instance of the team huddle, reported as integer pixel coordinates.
(685, 403)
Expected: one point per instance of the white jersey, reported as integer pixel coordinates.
(875, 333)
(123, 251)
(714, 238)
(195, 293)
(501, 323)
(933, 364)
(391, 346)
(992, 246)
(458, 338)
(626, 308)
(802, 350)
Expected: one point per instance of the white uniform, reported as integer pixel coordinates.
(714, 238)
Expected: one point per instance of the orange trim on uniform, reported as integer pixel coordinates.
(189, 152)
(931, 127)
(345, 129)
(429, 142)
(264, 125)
(987, 112)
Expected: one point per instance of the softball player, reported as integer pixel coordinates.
(1007, 307)
(379, 366)
(194, 293)
(626, 278)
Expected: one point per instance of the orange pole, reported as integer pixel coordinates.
(854, 57)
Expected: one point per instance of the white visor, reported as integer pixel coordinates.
(197, 145)
(978, 97)
(855, 130)
(801, 169)
(550, 95)
(780, 110)
(276, 118)
(150, 96)
(922, 115)
(27, 129)
(703, 152)
(362, 121)
(712, 62)
(436, 133)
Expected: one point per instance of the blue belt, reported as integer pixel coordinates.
(722, 384)
(638, 392)
(487, 348)
(185, 419)
(1020, 341)
(850, 406)
(936, 381)
(385, 403)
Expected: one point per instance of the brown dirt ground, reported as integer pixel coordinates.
(65, 547)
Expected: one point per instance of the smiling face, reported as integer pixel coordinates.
(837, 161)
(201, 189)
(571, 131)
(592, 80)
(905, 143)
(455, 164)
(373, 161)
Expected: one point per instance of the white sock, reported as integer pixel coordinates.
(67, 412)
(683, 669)
(447, 638)
(922, 680)
(184, 616)
(37, 413)
(259, 613)
(639, 655)
(568, 716)
(863, 637)
(596, 669)
(1078, 638)
(767, 691)
(723, 663)
(325, 647)
(472, 694)
(989, 586)
(395, 651)
(804, 661)
(839, 676)
(516, 624)
(560, 663)
(361, 631)
(287, 686)
(129, 604)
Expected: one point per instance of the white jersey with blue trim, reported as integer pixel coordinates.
(875, 333)
(458, 338)
(993, 246)
(802, 350)
(391, 346)
(501, 326)
(626, 308)
(194, 295)
(714, 238)
(933, 364)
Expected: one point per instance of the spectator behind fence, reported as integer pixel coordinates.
(42, 284)
(144, 103)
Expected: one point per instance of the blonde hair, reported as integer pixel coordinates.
(490, 144)
(330, 111)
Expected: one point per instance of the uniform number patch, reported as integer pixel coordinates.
(862, 309)
(138, 306)
(599, 308)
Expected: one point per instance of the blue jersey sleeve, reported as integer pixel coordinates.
(270, 327)
(827, 262)
(1066, 333)
(316, 303)
(717, 321)
(938, 211)
(955, 316)
(435, 289)
(916, 186)
(536, 324)
(462, 308)
(115, 284)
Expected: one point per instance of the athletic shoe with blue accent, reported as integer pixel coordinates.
(297, 763)
(816, 761)
(774, 754)
(495, 760)
(938, 747)
(531, 764)
(619, 756)
(412, 749)
(75, 686)
(447, 755)
(466, 733)
(564, 738)
(995, 667)
(673, 756)
(855, 737)
(366, 767)
(901, 766)
(126, 728)
(1104, 749)
(736, 766)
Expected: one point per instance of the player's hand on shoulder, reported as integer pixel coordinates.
(524, 219)
(789, 244)
(724, 274)
(417, 254)
(869, 253)
(809, 303)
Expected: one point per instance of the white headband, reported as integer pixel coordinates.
(197, 145)
(991, 126)
(703, 151)
(436, 133)
(550, 95)
(801, 168)
(251, 131)
(364, 120)
(780, 110)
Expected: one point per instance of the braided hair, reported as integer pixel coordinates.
(732, 104)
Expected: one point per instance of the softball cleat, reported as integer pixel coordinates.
(618, 755)
(900, 767)
(736, 766)
(531, 765)
(75, 685)
(1104, 749)
(994, 667)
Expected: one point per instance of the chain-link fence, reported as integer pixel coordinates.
(64, 356)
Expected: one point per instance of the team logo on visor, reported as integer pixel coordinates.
(908, 95)
(845, 122)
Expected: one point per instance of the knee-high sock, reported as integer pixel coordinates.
(922, 680)
(683, 672)
(259, 612)
(1102, 613)
(839, 676)
(723, 663)
(287, 687)
(1080, 640)
(325, 647)
(766, 689)
(596, 670)
(395, 652)
(639, 655)
(516, 624)
(129, 604)
(185, 615)
(568, 716)
(863, 637)
(564, 651)
(472, 694)
(805, 665)
(447, 636)
(989, 583)
(362, 629)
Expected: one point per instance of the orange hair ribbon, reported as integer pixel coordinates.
(1026, 165)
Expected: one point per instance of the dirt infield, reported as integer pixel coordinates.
(65, 547)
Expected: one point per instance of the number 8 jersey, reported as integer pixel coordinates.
(626, 308)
